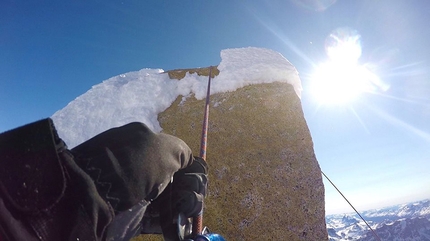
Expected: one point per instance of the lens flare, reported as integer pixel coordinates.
(343, 45)
(314, 5)
(341, 79)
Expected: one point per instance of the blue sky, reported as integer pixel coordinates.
(375, 147)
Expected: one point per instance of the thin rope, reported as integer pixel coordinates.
(373, 231)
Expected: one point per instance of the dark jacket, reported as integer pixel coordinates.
(50, 193)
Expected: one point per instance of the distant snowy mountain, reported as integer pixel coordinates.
(409, 221)
(403, 229)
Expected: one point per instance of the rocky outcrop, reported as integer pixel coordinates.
(265, 181)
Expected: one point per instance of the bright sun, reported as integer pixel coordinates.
(341, 79)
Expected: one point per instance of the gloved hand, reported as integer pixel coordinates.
(184, 195)
(189, 188)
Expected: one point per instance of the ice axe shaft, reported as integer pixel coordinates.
(198, 220)
(204, 138)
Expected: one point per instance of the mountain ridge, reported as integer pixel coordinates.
(407, 221)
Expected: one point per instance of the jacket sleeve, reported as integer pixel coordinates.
(131, 163)
(44, 195)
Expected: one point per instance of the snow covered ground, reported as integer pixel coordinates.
(410, 221)
(141, 95)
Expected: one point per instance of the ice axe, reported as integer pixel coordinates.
(198, 220)
(197, 230)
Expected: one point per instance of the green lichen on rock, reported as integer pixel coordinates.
(180, 73)
(264, 179)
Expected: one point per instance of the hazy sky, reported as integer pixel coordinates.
(374, 147)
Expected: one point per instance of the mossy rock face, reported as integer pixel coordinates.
(180, 73)
(264, 179)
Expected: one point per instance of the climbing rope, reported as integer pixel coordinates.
(350, 204)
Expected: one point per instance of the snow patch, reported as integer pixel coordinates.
(142, 95)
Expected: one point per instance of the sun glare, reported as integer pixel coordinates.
(336, 84)
(341, 79)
